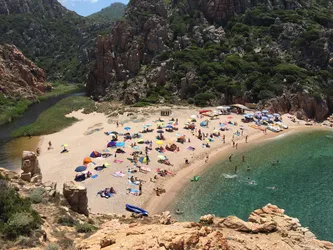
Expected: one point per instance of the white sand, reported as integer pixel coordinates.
(60, 167)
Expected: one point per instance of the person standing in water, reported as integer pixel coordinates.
(236, 169)
(246, 138)
(248, 169)
(243, 158)
(230, 157)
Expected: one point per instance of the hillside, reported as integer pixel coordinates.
(57, 40)
(111, 13)
(277, 54)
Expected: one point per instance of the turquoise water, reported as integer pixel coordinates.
(303, 179)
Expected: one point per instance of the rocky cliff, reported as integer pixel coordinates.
(19, 77)
(217, 52)
(267, 228)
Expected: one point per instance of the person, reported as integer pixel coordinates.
(243, 158)
(186, 161)
(236, 169)
(29, 135)
(277, 161)
(38, 151)
(117, 124)
(50, 145)
(246, 138)
(230, 157)
(248, 169)
(178, 211)
(115, 155)
(236, 145)
(206, 158)
(233, 143)
(140, 188)
(189, 140)
(242, 132)
(273, 163)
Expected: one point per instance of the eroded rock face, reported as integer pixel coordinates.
(19, 77)
(76, 197)
(302, 105)
(30, 167)
(267, 228)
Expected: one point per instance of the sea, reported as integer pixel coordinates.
(293, 171)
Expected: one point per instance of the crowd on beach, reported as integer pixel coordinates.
(142, 157)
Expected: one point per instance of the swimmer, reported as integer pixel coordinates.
(273, 163)
(236, 170)
(178, 211)
(248, 169)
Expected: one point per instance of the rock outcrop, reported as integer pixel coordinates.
(19, 77)
(267, 228)
(302, 105)
(30, 168)
(76, 197)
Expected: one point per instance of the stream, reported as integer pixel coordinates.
(11, 149)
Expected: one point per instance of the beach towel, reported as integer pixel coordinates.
(134, 191)
(145, 169)
(132, 183)
(118, 161)
(118, 174)
(94, 176)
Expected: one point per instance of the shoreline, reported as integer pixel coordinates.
(174, 185)
(60, 167)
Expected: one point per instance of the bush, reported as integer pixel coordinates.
(141, 104)
(19, 224)
(66, 221)
(52, 246)
(85, 228)
(36, 196)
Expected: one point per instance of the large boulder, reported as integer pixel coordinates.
(30, 167)
(76, 197)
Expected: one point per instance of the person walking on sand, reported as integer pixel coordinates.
(236, 145)
(233, 143)
(206, 160)
(117, 124)
(50, 145)
(242, 132)
(230, 156)
(246, 138)
(38, 151)
(243, 158)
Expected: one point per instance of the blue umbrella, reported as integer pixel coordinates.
(265, 111)
(80, 168)
(149, 125)
(276, 114)
(270, 116)
(160, 131)
(264, 118)
(169, 126)
(127, 128)
(222, 125)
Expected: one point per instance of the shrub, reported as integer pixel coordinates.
(66, 221)
(36, 196)
(85, 228)
(52, 246)
(19, 224)
(141, 104)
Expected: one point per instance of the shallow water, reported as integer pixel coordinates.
(301, 183)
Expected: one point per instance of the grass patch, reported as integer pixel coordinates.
(62, 89)
(85, 228)
(141, 104)
(36, 196)
(53, 119)
(67, 221)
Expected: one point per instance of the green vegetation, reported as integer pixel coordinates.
(53, 119)
(67, 221)
(11, 108)
(263, 53)
(109, 14)
(54, 38)
(36, 196)
(85, 228)
(17, 217)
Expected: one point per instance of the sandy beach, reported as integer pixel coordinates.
(88, 135)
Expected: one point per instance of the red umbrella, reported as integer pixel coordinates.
(229, 117)
(204, 111)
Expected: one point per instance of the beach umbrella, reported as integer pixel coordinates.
(169, 126)
(265, 111)
(127, 128)
(159, 123)
(106, 164)
(149, 125)
(250, 114)
(161, 157)
(265, 118)
(143, 159)
(64, 145)
(107, 150)
(114, 132)
(193, 116)
(222, 125)
(229, 117)
(178, 134)
(276, 114)
(80, 168)
(160, 131)
(270, 116)
(159, 142)
(87, 160)
(215, 131)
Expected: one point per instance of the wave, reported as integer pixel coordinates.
(230, 176)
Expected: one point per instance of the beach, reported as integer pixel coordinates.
(88, 135)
